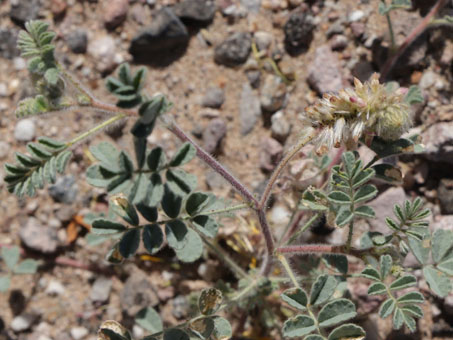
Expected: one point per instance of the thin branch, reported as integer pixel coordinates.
(391, 61)
(306, 249)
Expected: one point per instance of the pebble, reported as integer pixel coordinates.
(263, 40)
(213, 135)
(280, 215)
(280, 127)
(270, 154)
(442, 222)
(103, 50)
(273, 93)
(77, 40)
(4, 149)
(336, 28)
(199, 12)
(254, 78)
(338, 43)
(249, 109)
(39, 237)
(429, 78)
(213, 98)
(137, 293)
(8, 38)
(234, 50)
(115, 13)
(64, 190)
(383, 206)
(3, 90)
(55, 288)
(180, 307)
(78, 333)
(58, 7)
(163, 41)
(19, 63)
(252, 6)
(438, 142)
(22, 11)
(25, 130)
(356, 16)
(324, 72)
(23, 322)
(357, 29)
(298, 32)
(101, 289)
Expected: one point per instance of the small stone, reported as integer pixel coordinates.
(298, 32)
(336, 28)
(324, 73)
(137, 293)
(23, 322)
(19, 63)
(234, 50)
(101, 289)
(77, 41)
(214, 98)
(213, 135)
(64, 190)
(252, 6)
(25, 130)
(438, 142)
(115, 13)
(357, 29)
(273, 93)
(429, 78)
(4, 149)
(270, 154)
(383, 207)
(356, 16)
(263, 40)
(55, 288)
(65, 213)
(39, 237)
(22, 11)
(444, 222)
(339, 43)
(249, 109)
(103, 50)
(254, 77)
(280, 215)
(280, 127)
(78, 333)
(198, 12)
(8, 43)
(180, 307)
(164, 41)
(445, 195)
(58, 7)
(363, 70)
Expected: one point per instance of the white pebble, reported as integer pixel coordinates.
(25, 130)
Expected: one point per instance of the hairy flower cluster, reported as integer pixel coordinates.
(368, 109)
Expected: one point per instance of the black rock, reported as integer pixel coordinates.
(24, 10)
(234, 50)
(163, 42)
(64, 190)
(196, 12)
(8, 40)
(77, 41)
(298, 32)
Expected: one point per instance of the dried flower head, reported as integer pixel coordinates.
(369, 108)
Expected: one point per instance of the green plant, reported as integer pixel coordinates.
(154, 201)
(11, 257)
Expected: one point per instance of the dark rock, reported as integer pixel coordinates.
(324, 72)
(254, 77)
(196, 12)
(438, 142)
(270, 154)
(362, 70)
(64, 190)
(115, 13)
(8, 41)
(234, 50)
(100, 291)
(180, 307)
(249, 109)
(137, 293)
(298, 32)
(39, 237)
(273, 93)
(163, 42)
(214, 98)
(445, 195)
(77, 41)
(23, 11)
(213, 135)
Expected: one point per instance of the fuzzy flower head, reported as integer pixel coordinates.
(369, 109)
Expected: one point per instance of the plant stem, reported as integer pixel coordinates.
(306, 249)
(214, 164)
(391, 61)
(392, 34)
(350, 233)
(296, 148)
(304, 228)
(285, 265)
(96, 129)
(266, 266)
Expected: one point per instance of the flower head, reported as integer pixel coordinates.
(368, 108)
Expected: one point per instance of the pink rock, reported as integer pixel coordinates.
(115, 13)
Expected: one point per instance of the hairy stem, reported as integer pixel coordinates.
(304, 228)
(306, 249)
(288, 269)
(392, 34)
(96, 129)
(266, 230)
(391, 61)
(283, 163)
(350, 233)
